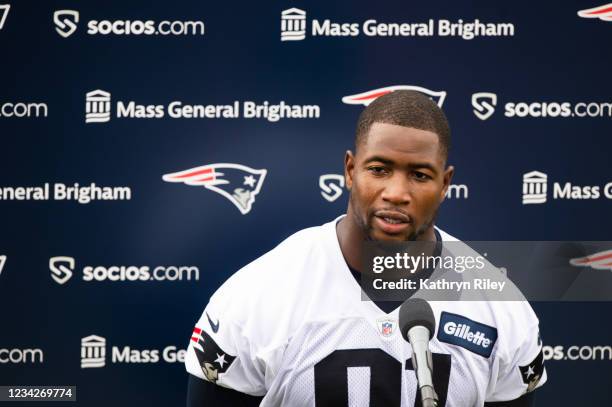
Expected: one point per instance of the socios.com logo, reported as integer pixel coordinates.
(331, 186)
(20, 110)
(21, 356)
(64, 267)
(66, 24)
(484, 104)
(575, 352)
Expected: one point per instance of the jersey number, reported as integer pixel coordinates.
(331, 377)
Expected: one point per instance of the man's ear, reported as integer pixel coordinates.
(447, 178)
(349, 167)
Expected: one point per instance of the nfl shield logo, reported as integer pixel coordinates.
(385, 327)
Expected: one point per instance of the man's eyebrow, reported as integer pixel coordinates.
(388, 161)
(425, 165)
(379, 159)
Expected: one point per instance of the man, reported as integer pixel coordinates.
(290, 328)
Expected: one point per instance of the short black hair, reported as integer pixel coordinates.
(405, 108)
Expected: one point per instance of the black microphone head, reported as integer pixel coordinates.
(416, 311)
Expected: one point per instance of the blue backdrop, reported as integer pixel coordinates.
(550, 59)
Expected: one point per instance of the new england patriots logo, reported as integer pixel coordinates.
(213, 360)
(368, 97)
(603, 12)
(598, 261)
(238, 183)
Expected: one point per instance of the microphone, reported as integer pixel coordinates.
(417, 324)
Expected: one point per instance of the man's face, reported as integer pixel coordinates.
(397, 181)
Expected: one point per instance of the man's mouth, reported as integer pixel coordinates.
(392, 222)
(393, 216)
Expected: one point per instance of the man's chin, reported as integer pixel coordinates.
(381, 236)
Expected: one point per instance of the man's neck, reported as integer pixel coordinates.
(350, 238)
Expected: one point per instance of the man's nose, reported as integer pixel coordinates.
(397, 191)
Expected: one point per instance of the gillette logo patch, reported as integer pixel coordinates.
(471, 335)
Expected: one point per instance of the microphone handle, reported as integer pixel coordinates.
(422, 363)
(429, 398)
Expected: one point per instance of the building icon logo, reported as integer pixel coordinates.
(93, 351)
(293, 25)
(97, 106)
(534, 187)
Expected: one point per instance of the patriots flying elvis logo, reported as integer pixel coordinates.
(603, 12)
(238, 183)
(368, 97)
(598, 261)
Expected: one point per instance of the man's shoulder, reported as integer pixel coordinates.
(293, 250)
(446, 237)
(506, 324)
(503, 315)
(509, 309)
(279, 277)
(507, 315)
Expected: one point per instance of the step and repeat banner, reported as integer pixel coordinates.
(151, 149)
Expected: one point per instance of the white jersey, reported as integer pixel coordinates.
(291, 326)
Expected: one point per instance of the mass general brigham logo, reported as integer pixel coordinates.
(293, 25)
(93, 351)
(534, 187)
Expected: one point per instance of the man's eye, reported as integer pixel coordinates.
(377, 170)
(421, 176)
